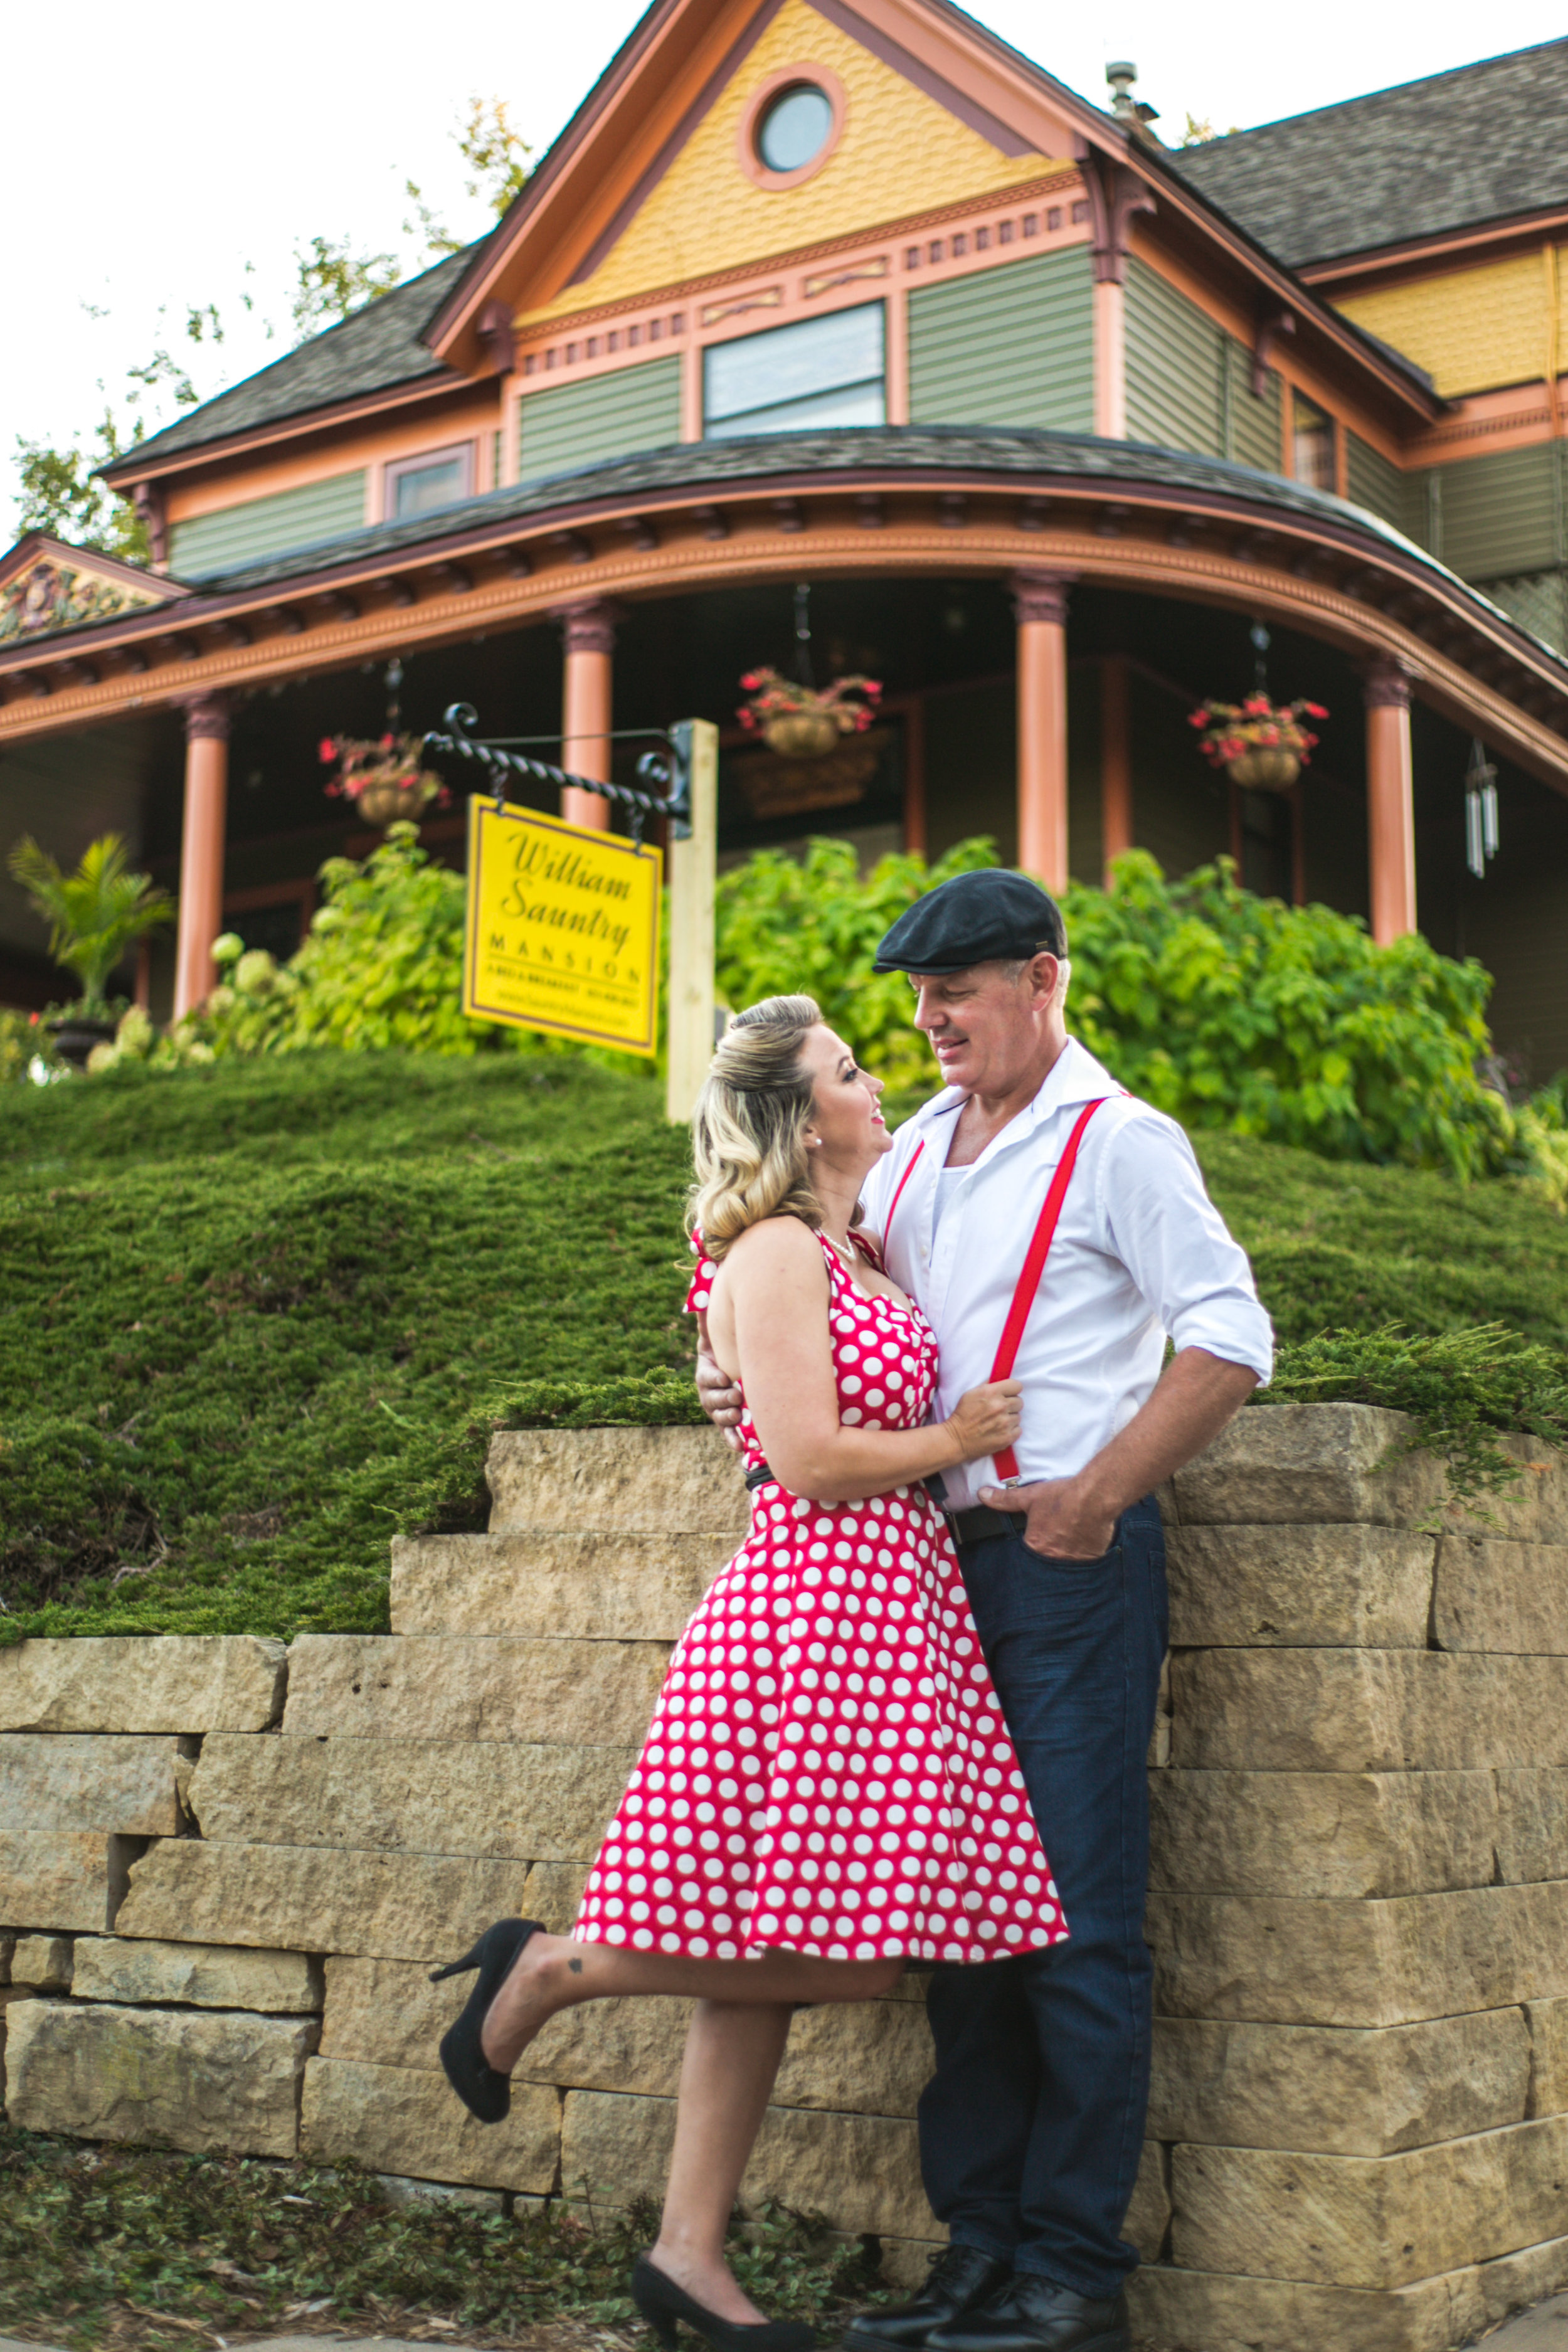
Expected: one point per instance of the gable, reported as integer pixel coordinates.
(900, 149)
(1470, 329)
(45, 586)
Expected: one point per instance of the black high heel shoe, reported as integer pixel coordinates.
(483, 2092)
(662, 2303)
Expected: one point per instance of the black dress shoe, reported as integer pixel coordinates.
(960, 2277)
(1030, 2314)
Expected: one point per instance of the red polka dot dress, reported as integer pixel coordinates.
(827, 1770)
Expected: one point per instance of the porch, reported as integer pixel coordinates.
(1043, 611)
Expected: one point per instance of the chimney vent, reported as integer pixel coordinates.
(1136, 112)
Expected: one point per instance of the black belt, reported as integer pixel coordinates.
(968, 1526)
(981, 1523)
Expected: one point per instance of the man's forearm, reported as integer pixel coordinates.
(1197, 1394)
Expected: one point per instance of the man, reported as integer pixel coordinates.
(1032, 2126)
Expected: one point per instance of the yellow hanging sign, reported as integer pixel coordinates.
(563, 928)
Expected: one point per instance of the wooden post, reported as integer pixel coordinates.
(201, 850)
(588, 633)
(689, 1014)
(915, 839)
(1115, 762)
(1110, 360)
(1040, 602)
(1390, 803)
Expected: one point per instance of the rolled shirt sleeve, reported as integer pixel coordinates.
(1160, 1222)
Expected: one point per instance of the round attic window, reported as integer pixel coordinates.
(795, 127)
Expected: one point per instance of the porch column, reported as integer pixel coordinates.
(201, 849)
(588, 635)
(1390, 806)
(1040, 602)
(1115, 762)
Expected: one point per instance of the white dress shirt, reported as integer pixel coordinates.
(1140, 1254)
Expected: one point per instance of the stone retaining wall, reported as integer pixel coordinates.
(229, 1868)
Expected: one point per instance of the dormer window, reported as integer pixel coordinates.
(437, 478)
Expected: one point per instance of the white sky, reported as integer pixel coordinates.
(198, 140)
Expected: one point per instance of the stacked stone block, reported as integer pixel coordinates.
(226, 1874)
(1359, 1894)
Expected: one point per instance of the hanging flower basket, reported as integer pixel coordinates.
(799, 722)
(1261, 745)
(383, 778)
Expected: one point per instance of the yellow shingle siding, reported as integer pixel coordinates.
(900, 153)
(1472, 329)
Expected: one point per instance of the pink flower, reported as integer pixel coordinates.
(328, 749)
(1314, 710)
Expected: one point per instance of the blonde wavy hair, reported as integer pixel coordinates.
(748, 1132)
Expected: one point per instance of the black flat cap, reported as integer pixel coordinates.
(990, 916)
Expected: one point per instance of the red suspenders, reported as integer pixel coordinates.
(1033, 1266)
(899, 1195)
(1034, 1262)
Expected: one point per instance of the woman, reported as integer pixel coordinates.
(827, 1788)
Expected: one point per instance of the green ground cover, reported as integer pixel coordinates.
(260, 1315)
(132, 2247)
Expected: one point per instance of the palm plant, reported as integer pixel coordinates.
(96, 912)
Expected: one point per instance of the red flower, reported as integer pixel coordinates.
(1314, 710)
(328, 750)
(386, 741)
(1197, 719)
(1258, 705)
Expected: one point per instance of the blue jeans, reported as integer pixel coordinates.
(1032, 2126)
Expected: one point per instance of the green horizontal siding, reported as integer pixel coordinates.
(1013, 345)
(1176, 355)
(1537, 602)
(614, 415)
(1375, 482)
(1500, 513)
(235, 536)
(1251, 419)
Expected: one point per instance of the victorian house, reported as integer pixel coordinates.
(1061, 430)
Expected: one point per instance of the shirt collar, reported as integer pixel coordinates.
(1074, 1077)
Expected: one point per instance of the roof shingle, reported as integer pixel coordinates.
(1482, 142)
(372, 349)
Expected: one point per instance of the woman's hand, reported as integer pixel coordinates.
(987, 1419)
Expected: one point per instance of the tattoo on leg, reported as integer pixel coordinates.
(575, 1967)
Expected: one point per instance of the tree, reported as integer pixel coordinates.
(60, 494)
(331, 280)
(59, 489)
(497, 157)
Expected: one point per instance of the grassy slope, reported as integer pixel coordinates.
(256, 1317)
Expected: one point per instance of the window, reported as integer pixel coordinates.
(822, 372)
(437, 478)
(1313, 436)
(795, 127)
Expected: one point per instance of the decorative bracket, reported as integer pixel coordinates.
(672, 769)
(1115, 195)
(1270, 330)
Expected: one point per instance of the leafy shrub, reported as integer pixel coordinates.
(381, 968)
(1461, 1386)
(1225, 1009)
(1229, 1010)
(784, 927)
